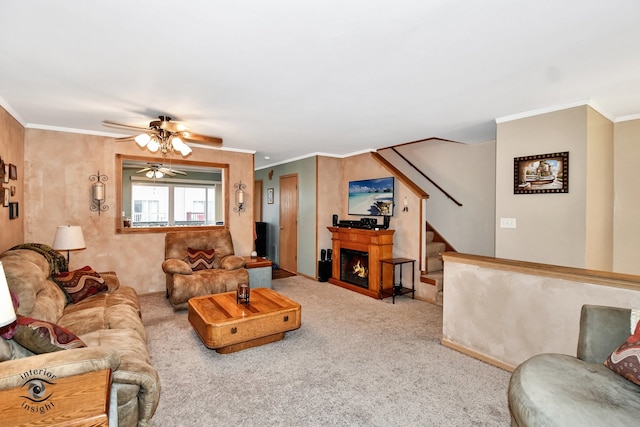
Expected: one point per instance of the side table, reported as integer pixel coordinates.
(399, 288)
(260, 271)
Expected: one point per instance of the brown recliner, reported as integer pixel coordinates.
(184, 283)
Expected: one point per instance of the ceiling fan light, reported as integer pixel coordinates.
(185, 150)
(153, 145)
(149, 174)
(177, 143)
(142, 139)
(159, 174)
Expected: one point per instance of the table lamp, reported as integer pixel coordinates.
(68, 238)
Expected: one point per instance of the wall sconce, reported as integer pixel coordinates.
(239, 187)
(98, 193)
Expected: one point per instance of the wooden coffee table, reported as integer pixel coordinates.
(227, 327)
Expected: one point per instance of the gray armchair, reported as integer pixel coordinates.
(562, 390)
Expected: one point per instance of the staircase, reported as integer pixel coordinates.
(436, 245)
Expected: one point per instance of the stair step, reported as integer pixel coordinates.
(435, 279)
(434, 264)
(435, 248)
(430, 236)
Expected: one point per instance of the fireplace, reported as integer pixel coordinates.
(354, 267)
(358, 252)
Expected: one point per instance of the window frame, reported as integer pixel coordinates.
(119, 226)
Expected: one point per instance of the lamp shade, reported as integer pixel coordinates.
(68, 237)
(7, 313)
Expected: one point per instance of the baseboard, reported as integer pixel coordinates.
(476, 355)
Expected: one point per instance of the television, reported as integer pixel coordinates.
(371, 197)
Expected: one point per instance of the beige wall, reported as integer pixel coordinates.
(467, 173)
(329, 194)
(626, 232)
(12, 152)
(57, 192)
(407, 225)
(508, 316)
(600, 192)
(551, 228)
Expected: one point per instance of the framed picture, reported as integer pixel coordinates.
(5, 178)
(1, 170)
(13, 172)
(5, 197)
(270, 196)
(541, 173)
(13, 210)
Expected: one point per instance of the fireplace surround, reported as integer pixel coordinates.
(356, 242)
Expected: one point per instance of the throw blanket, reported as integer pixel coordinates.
(57, 261)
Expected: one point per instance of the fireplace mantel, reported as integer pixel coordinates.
(379, 245)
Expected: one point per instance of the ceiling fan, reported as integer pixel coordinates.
(156, 170)
(164, 135)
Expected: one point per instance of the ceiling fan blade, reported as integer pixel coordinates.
(127, 138)
(143, 170)
(117, 125)
(178, 172)
(194, 137)
(167, 172)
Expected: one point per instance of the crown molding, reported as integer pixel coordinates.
(553, 109)
(317, 153)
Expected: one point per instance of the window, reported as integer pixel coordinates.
(188, 195)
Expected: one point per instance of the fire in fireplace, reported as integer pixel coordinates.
(354, 267)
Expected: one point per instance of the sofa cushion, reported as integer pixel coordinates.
(40, 336)
(625, 360)
(80, 284)
(110, 310)
(200, 259)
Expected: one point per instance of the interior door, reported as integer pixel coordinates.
(289, 223)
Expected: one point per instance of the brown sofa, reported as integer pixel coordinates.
(109, 323)
(184, 283)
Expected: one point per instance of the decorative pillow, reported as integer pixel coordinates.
(200, 259)
(625, 360)
(44, 337)
(80, 284)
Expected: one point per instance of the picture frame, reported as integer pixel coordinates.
(541, 173)
(5, 197)
(5, 177)
(270, 196)
(13, 210)
(1, 170)
(13, 172)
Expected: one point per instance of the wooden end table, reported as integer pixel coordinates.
(226, 326)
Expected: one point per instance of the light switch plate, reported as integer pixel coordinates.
(507, 223)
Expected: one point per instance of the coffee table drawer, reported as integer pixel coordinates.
(257, 327)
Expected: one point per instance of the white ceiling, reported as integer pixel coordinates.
(291, 77)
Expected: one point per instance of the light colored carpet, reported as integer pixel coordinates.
(355, 361)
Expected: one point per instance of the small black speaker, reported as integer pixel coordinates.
(329, 254)
(323, 254)
(335, 220)
(387, 220)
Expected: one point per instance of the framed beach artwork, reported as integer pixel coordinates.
(270, 196)
(541, 173)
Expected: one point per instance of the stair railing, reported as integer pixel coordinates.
(426, 177)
